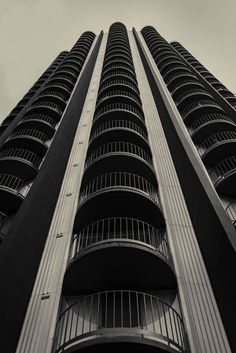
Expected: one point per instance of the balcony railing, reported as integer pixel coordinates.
(32, 133)
(120, 229)
(120, 93)
(217, 138)
(14, 183)
(118, 73)
(117, 147)
(122, 124)
(48, 104)
(125, 313)
(45, 118)
(118, 106)
(208, 118)
(22, 154)
(119, 180)
(223, 168)
(202, 103)
(118, 82)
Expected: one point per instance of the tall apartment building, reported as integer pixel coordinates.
(118, 209)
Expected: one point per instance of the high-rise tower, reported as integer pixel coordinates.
(117, 203)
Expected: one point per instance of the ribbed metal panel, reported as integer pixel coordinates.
(39, 325)
(204, 326)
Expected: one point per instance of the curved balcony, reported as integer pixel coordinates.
(120, 320)
(176, 78)
(51, 100)
(19, 161)
(119, 193)
(67, 72)
(165, 54)
(176, 72)
(64, 76)
(12, 192)
(114, 51)
(58, 83)
(182, 84)
(198, 108)
(41, 122)
(33, 140)
(170, 64)
(118, 55)
(118, 130)
(76, 60)
(218, 147)
(116, 110)
(56, 91)
(48, 108)
(122, 156)
(223, 176)
(119, 67)
(190, 95)
(96, 252)
(71, 67)
(165, 60)
(118, 96)
(210, 124)
(120, 84)
(118, 75)
(117, 61)
(121, 42)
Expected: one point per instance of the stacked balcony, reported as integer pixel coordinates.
(119, 251)
(28, 96)
(211, 129)
(23, 152)
(223, 91)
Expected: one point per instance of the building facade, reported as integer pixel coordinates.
(118, 208)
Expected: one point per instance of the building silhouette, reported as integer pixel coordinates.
(118, 206)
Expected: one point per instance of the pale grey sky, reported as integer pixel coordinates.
(33, 32)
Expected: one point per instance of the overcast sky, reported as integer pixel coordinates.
(33, 32)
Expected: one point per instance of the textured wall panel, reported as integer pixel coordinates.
(203, 323)
(38, 330)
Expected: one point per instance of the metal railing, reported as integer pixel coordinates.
(201, 103)
(217, 138)
(190, 91)
(22, 154)
(66, 77)
(32, 133)
(122, 312)
(182, 82)
(113, 124)
(47, 103)
(120, 93)
(121, 73)
(207, 118)
(123, 180)
(46, 118)
(224, 167)
(115, 67)
(118, 106)
(175, 75)
(55, 93)
(117, 147)
(231, 212)
(118, 82)
(120, 229)
(14, 183)
(60, 84)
